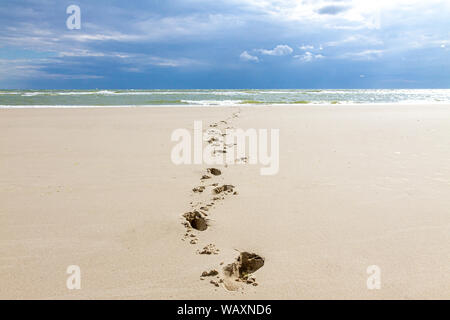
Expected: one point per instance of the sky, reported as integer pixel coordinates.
(229, 44)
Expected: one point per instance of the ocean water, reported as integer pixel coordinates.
(132, 98)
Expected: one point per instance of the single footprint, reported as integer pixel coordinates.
(210, 273)
(214, 171)
(209, 249)
(241, 270)
(196, 220)
(199, 189)
(226, 188)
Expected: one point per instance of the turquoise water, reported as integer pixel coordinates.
(92, 98)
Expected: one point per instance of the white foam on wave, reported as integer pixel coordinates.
(76, 93)
(32, 94)
(212, 93)
(212, 102)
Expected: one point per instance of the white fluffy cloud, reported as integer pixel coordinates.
(308, 57)
(279, 50)
(248, 57)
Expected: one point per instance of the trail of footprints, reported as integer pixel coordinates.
(210, 192)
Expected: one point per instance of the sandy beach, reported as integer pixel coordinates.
(358, 185)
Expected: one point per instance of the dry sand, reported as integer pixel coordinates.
(357, 186)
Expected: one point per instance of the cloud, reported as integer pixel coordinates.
(102, 37)
(82, 53)
(174, 63)
(355, 39)
(248, 57)
(84, 65)
(279, 50)
(308, 57)
(157, 38)
(306, 47)
(370, 54)
(332, 9)
(204, 25)
(36, 69)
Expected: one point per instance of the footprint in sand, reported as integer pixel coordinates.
(226, 188)
(241, 270)
(214, 171)
(213, 139)
(196, 220)
(213, 273)
(210, 273)
(199, 189)
(209, 249)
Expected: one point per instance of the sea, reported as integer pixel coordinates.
(213, 97)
